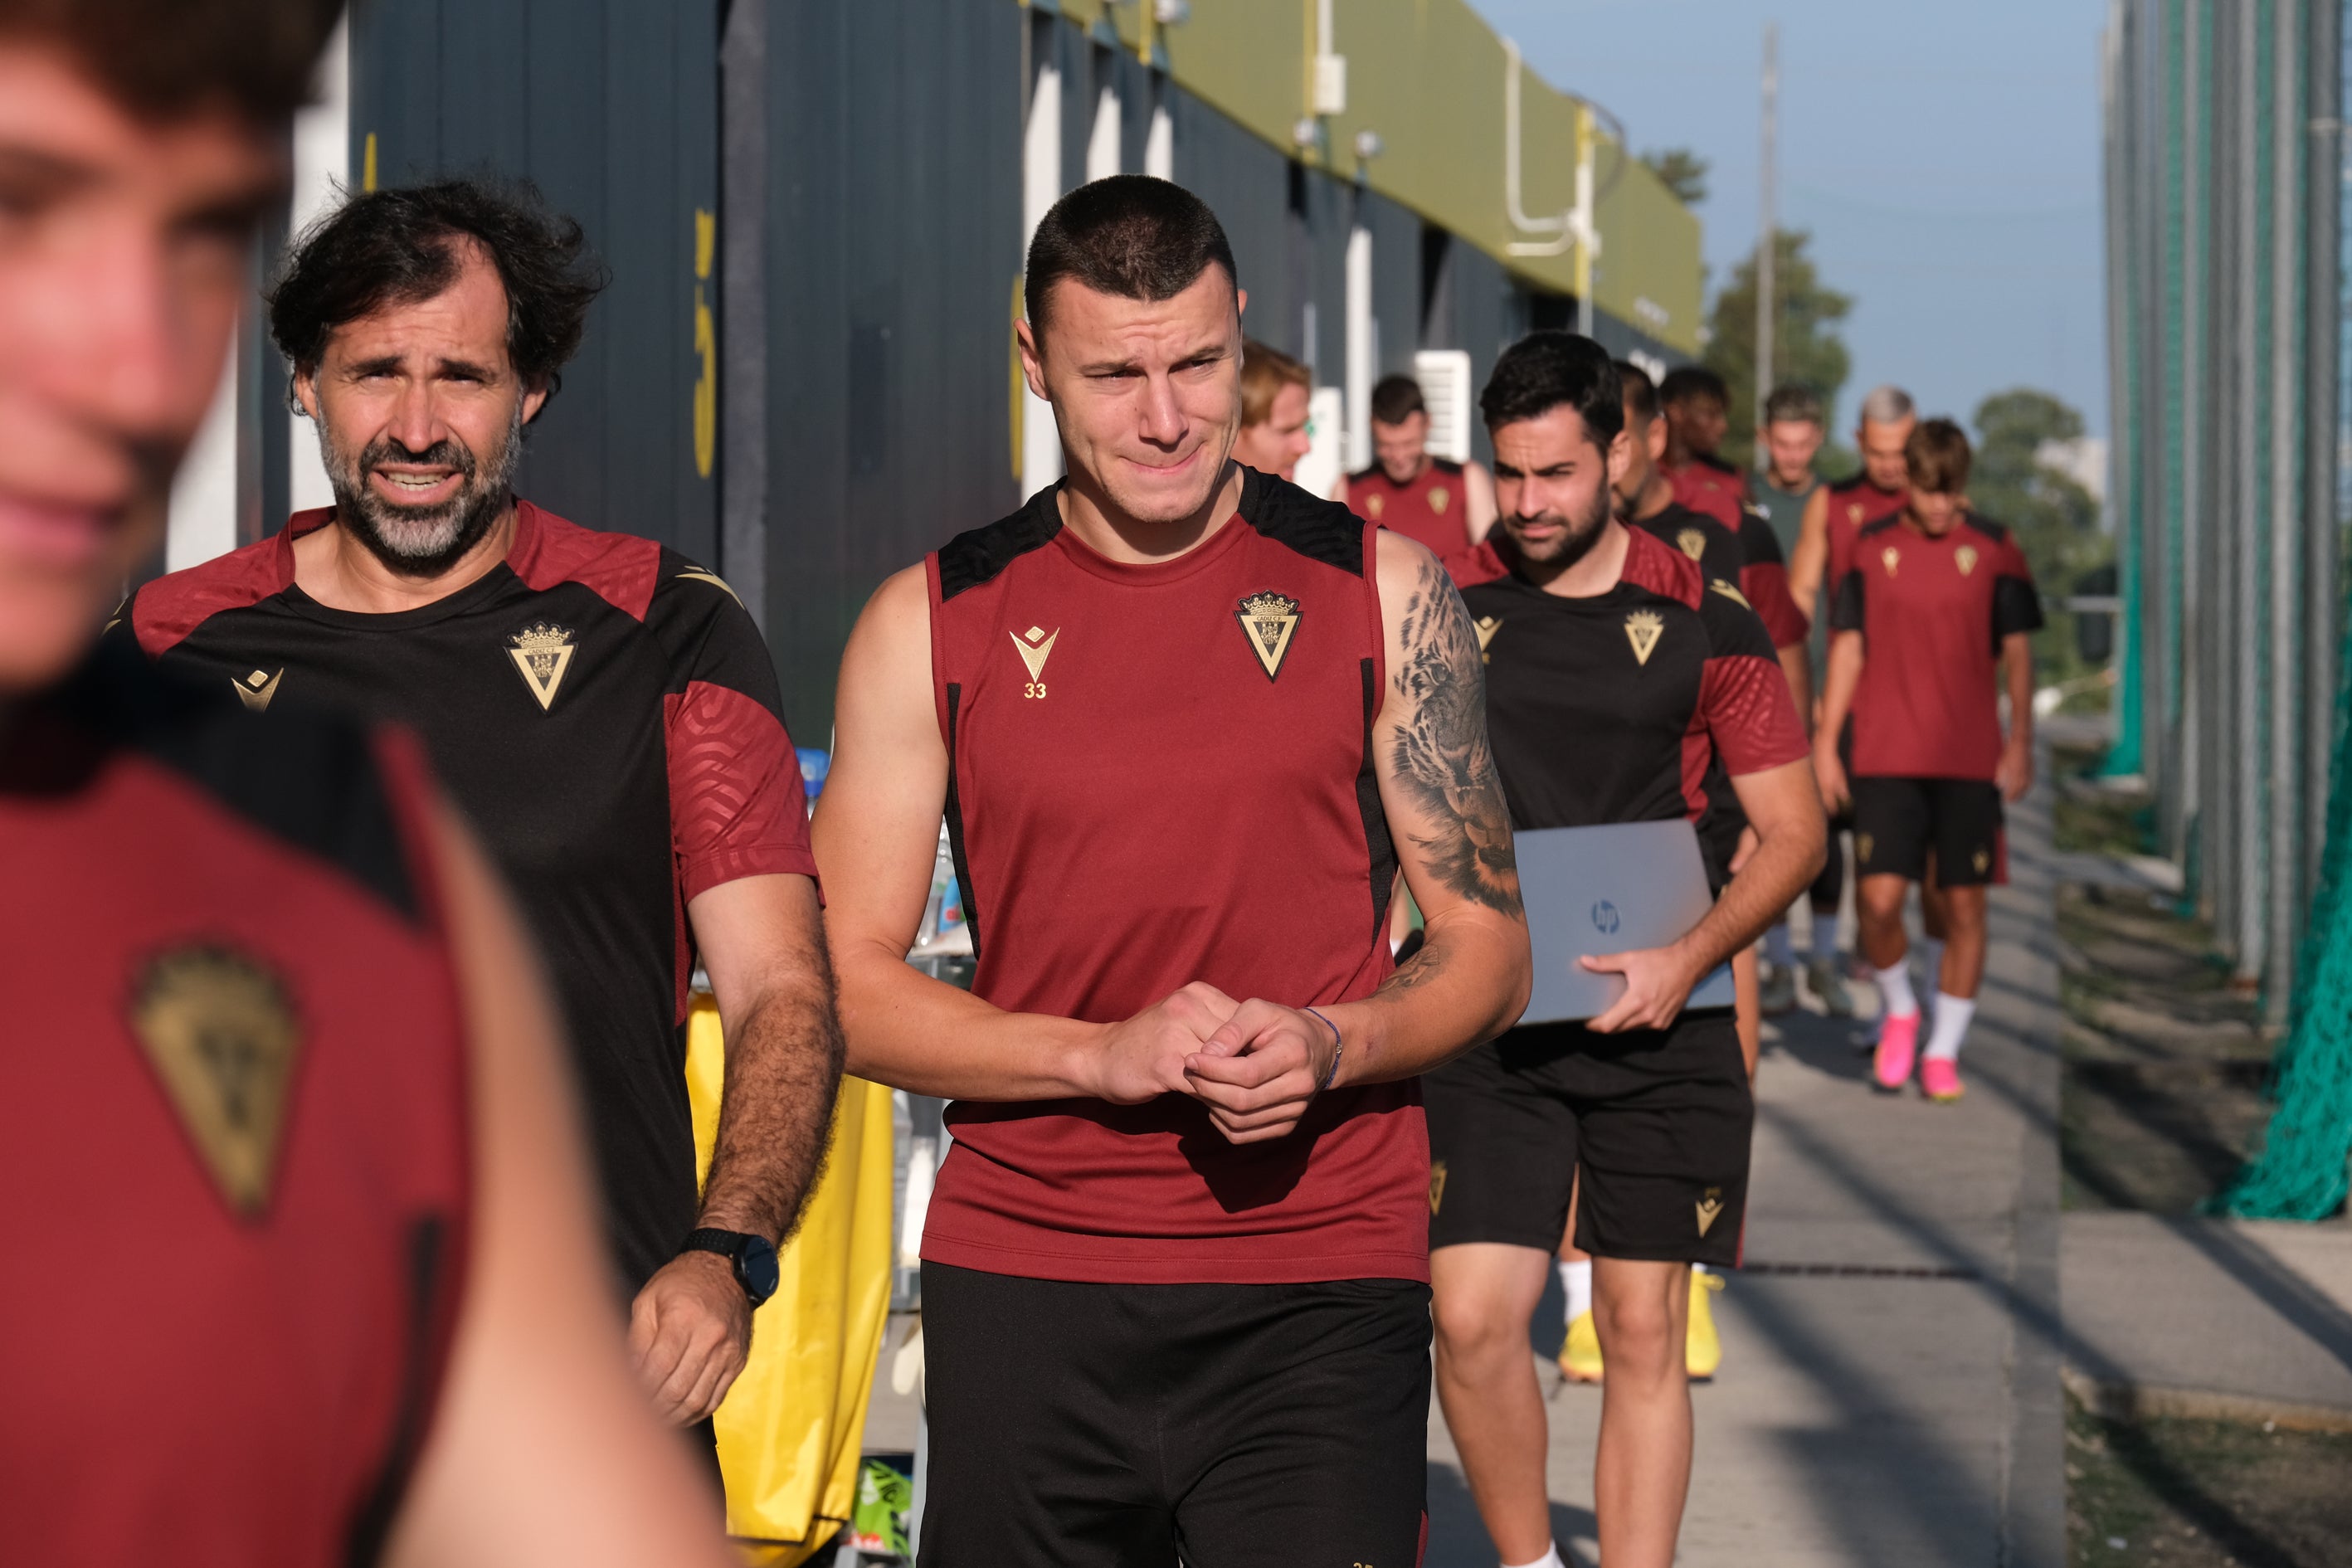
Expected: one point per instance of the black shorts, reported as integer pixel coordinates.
(1094, 1425)
(1896, 822)
(1657, 1122)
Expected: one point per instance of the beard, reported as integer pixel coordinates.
(422, 541)
(1575, 541)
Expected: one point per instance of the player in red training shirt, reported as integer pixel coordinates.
(1618, 672)
(302, 1266)
(1935, 602)
(1443, 505)
(1696, 406)
(1185, 721)
(1275, 389)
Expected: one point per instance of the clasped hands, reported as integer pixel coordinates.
(1255, 1065)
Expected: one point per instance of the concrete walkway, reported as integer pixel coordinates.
(1890, 1391)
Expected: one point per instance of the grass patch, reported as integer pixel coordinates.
(2204, 1494)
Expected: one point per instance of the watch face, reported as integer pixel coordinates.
(755, 1266)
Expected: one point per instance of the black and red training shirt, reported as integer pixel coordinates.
(1611, 709)
(605, 711)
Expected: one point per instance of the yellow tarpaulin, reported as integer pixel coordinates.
(789, 1431)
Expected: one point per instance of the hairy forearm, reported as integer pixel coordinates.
(775, 1116)
(1785, 863)
(1838, 685)
(912, 1032)
(2017, 657)
(1466, 984)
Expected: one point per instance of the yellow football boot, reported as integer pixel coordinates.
(1580, 1358)
(1703, 1348)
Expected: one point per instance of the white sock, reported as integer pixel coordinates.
(1576, 1279)
(1953, 1015)
(1548, 1559)
(1776, 947)
(1895, 989)
(1931, 961)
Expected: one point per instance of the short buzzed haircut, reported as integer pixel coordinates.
(1545, 370)
(1793, 405)
(399, 246)
(1130, 236)
(1641, 394)
(1937, 458)
(1887, 404)
(1396, 399)
(1686, 381)
(1265, 370)
(164, 59)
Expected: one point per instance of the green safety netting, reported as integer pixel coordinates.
(2300, 1172)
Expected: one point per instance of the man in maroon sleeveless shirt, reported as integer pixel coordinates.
(1444, 505)
(301, 1263)
(1185, 722)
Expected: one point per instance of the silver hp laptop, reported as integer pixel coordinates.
(1612, 889)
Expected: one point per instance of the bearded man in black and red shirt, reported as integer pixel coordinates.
(1618, 673)
(602, 707)
(1934, 602)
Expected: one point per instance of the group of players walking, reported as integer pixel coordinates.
(1225, 1148)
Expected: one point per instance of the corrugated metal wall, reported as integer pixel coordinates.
(610, 106)
(825, 358)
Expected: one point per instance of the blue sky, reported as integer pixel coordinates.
(1945, 158)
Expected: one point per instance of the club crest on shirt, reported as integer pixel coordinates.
(1642, 629)
(542, 652)
(1853, 511)
(1890, 558)
(1269, 620)
(218, 1029)
(1718, 585)
(1966, 558)
(1440, 498)
(256, 688)
(1373, 506)
(1036, 645)
(1487, 627)
(1710, 1209)
(1692, 542)
(1436, 1184)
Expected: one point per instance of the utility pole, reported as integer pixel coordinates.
(1768, 245)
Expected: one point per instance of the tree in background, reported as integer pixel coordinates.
(1806, 348)
(1683, 171)
(2054, 519)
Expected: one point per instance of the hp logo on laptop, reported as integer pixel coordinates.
(1604, 918)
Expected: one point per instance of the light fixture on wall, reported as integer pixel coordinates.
(1369, 145)
(1171, 13)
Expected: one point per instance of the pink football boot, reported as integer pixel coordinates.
(1940, 1080)
(1898, 1047)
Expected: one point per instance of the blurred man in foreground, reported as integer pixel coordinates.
(294, 1206)
(602, 706)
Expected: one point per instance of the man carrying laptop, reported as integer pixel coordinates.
(1615, 673)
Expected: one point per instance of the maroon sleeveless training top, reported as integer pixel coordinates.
(233, 1150)
(1428, 510)
(1160, 774)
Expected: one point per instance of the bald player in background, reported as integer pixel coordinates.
(1834, 515)
(1275, 432)
(318, 1281)
(1443, 505)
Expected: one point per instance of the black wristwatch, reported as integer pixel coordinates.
(753, 1256)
